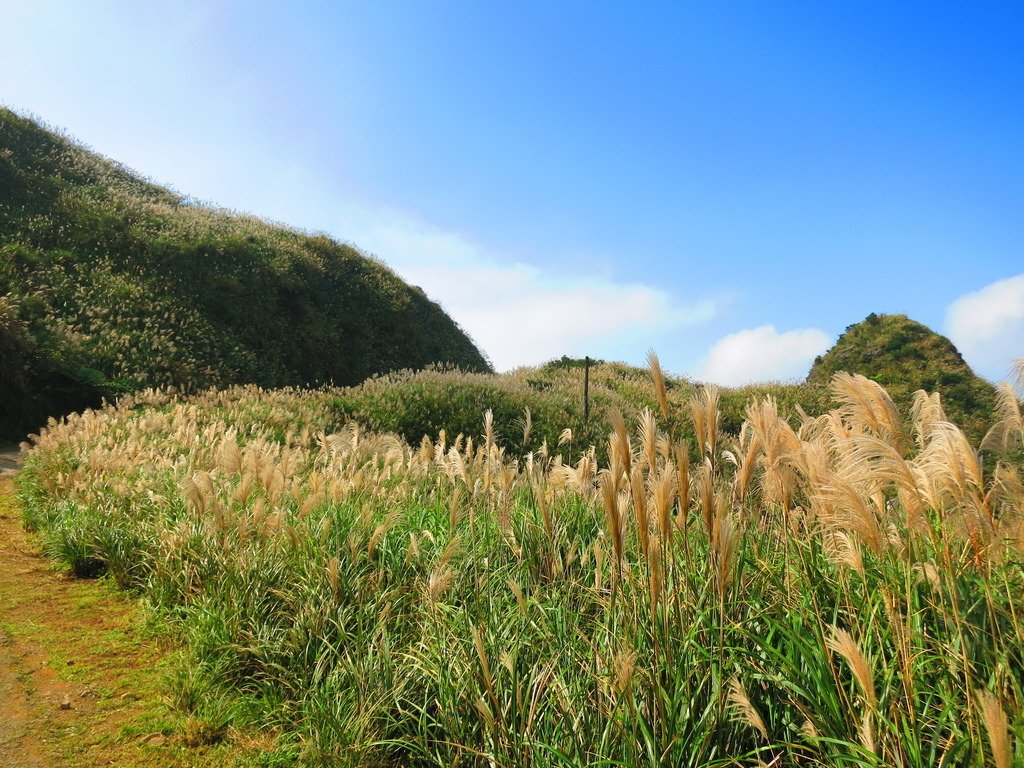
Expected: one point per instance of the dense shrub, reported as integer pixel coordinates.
(415, 404)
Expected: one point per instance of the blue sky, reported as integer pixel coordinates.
(731, 184)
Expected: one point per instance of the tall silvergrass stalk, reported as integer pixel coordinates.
(659, 383)
(847, 592)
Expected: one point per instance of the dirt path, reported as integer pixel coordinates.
(80, 683)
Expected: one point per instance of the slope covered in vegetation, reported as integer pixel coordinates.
(534, 406)
(892, 350)
(111, 283)
(905, 356)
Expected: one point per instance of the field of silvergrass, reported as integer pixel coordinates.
(839, 589)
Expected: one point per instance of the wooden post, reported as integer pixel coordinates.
(586, 391)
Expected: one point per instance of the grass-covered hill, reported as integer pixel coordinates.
(417, 403)
(905, 356)
(111, 283)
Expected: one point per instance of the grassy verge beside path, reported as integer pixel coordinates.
(80, 680)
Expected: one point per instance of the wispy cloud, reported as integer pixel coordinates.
(520, 314)
(762, 354)
(987, 326)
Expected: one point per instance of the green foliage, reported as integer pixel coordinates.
(811, 397)
(414, 404)
(905, 356)
(569, 362)
(113, 284)
(418, 404)
(16, 352)
(30, 386)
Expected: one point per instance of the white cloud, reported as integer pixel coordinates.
(762, 354)
(519, 314)
(987, 326)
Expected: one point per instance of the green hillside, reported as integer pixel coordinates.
(904, 356)
(111, 283)
(414, 404)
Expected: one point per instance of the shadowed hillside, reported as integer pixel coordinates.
(109, 283)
